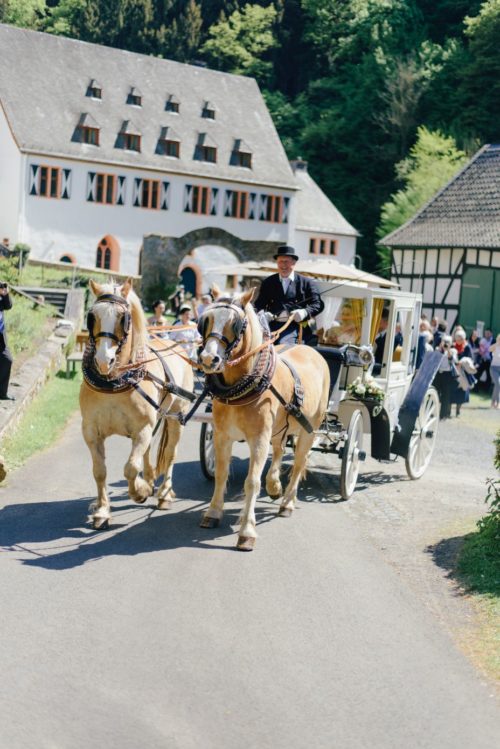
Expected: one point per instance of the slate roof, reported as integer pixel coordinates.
(464, 213)
(315, 212)
(44, 80)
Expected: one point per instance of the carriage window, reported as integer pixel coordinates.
(402, 335)
(341, 321)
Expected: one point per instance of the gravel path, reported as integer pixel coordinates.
(419, 525)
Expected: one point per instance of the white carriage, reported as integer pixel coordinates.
(385, 407)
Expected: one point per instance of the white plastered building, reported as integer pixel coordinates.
(100, 147)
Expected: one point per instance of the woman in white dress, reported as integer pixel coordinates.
(188, 336)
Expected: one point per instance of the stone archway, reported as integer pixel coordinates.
(162, 256)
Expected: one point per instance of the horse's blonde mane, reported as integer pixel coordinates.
(139, 326)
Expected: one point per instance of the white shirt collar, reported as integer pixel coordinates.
(289, 279)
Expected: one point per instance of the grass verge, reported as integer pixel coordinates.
(44, 419)
(479, 570)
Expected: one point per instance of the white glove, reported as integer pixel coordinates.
(269, 316)
(299, 315)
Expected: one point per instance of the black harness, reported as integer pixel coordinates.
(259, 380)
(132, 378)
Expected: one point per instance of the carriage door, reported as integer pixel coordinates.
(399, 372)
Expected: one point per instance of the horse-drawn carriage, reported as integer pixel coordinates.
(383, 407)
(326, 398)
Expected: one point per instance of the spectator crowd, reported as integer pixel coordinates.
(469, 363)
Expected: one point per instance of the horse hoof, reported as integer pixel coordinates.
(100, 524)
(245, 543)
(208, 522)
(139, 500)
(164, 504)
(274, 496)
(285, 512)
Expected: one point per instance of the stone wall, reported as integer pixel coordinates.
(162, 256)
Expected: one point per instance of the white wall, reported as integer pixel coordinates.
(10, 182)
(346, 246)
(55, 227)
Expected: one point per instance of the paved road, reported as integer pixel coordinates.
(157, 634)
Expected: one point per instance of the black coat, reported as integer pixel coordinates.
(5, 303)
(302, 293)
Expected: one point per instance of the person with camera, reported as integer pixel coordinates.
(5, 355)
(287, 292)
(446, 375)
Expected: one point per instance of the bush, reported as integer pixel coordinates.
(26, 324)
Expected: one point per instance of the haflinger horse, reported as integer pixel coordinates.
(127, 385)
(263, 395)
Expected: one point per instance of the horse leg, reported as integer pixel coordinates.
(259, 448)
(138, 489)
(223, 448)
(304, 444)
(170, 440)
(100, 509)
(273, 482)
(149, 471)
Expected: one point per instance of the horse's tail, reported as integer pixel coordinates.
(161, 454)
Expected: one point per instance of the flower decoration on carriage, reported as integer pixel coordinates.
(366, 389)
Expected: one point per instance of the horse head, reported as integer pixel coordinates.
(222, 326)
(109, 322)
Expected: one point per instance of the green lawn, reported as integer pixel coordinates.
(44, 419)
(479, 570)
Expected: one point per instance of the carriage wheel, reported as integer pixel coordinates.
(424, 436)
(207, 451)
(351, 455)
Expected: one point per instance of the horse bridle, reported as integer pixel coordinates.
(239, 327)
(114, 299)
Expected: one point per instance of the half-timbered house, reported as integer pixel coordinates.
(450, 250)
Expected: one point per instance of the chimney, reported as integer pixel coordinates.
(298, 164)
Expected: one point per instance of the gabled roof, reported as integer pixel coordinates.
(43, 84)
(315, 211)
(464, 213)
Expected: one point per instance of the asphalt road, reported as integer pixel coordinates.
(159, 634)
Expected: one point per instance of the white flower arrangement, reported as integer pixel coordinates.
(366, 389)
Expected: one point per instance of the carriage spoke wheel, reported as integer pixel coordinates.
(424, 436)
(207, 450)
(351, 456)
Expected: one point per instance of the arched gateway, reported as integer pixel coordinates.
(164, 257)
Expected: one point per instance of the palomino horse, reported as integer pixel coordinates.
(123, 380)
(253, 399)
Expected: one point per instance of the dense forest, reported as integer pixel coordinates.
(384, 98)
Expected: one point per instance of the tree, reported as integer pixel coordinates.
(180, 39)
(432, 162)
(25, 13)
(238, 44)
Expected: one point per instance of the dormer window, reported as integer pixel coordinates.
(206, 149)
(172, 104)
(241, 155)
(86, 131)
(208, 111)
(134, 97)
(169, 143)
(94, 89)
(129, 137)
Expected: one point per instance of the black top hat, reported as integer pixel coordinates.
(286, 251)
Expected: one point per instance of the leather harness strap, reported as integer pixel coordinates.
(293, 408)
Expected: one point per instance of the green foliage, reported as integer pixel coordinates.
(480, 558)
(432, 162)
(26, 324)
(238, 43)
(28, 14)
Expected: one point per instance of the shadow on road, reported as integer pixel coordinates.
(445, 555)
